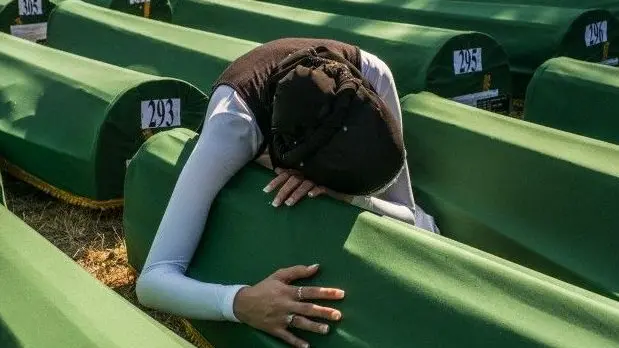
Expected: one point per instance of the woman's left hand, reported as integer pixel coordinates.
(294, 187)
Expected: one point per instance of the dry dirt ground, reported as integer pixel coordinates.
(94, 239)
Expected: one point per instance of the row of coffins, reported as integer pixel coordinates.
(157, 48)
(420, 58)
(500, 188)
(530, 34)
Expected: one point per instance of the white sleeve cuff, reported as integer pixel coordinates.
(363, 202)
(381, 207)
(227, 304)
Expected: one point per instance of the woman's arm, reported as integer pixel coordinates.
(229, 141)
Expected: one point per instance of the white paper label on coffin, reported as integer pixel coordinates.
(467, 61)
(471, 99)
(135, 2)
(32, 32)
(161, 113)
(30, 7)
(596, 33)
(611, 61)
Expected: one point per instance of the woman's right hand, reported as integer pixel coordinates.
(270, 304)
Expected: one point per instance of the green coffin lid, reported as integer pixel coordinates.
(49, 301)
(154, 9)
(610, 5)
(144, 45)
(540, 197)
(68, 124)
(25, 18)
(421, 58)
(577, 97)
(529, 34)
(404, 287)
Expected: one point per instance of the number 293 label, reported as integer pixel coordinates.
(161, 113)
(467, 61)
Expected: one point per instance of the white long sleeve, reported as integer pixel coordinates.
(228, 142)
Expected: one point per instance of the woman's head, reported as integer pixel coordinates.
(331, 126)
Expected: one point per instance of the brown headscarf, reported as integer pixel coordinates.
(328, 123)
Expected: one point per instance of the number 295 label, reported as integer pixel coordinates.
(467, 61)
(161, 113)
(30, 7)
(596, 33)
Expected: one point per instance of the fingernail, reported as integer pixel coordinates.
(324, 329)
(310, 194)
(340, 293)
(289, 202)
(276, 203)
(267, 189)
(305, 345)
(314, 266)
(336, 316)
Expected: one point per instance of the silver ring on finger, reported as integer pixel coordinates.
(300, 293)
(289, 319)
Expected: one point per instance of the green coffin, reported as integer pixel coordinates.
(529, 34)
(144, 45)
(404, 287)
(452, 64)
(540, 197)
(154, 9)
(49, 301)
(26, 19)
(68, 124)
(576, 97)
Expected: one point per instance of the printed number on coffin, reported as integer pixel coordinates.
(30, 7)
(596, 33)
(467, 61)
(159, 113)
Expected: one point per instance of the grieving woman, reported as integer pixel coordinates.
(327, 119)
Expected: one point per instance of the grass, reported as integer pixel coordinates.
(94, 239)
